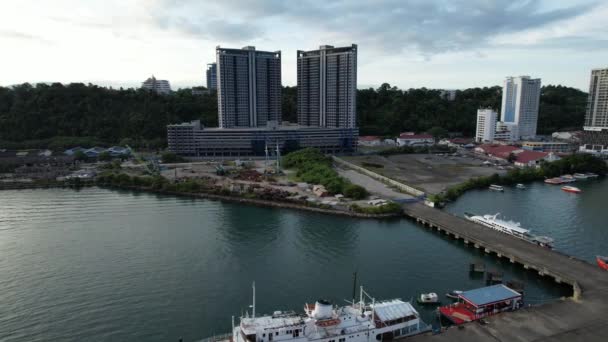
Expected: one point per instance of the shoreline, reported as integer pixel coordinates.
(203, 195)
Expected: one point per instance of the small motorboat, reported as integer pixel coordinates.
(602, 262)
(571, 189)
(520, 186)
(495, 187)
(428, 298)
(454, 294)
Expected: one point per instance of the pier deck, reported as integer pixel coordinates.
(584, 317)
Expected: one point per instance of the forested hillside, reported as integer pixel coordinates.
(62, 115)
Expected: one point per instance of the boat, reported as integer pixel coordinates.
(571, 189)
(567, 179)
(591, 175)
(454, 294)
(511, 228)
(602, 261)
(360, 321)
(428, 298)
(555, 180)
(495, 187)
(520, 186)
(580, 176)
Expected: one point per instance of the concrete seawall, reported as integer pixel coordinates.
(584, 317)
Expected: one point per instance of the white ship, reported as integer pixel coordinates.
(510, 227)
(323, 322)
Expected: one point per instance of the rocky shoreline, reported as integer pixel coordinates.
(225, 198)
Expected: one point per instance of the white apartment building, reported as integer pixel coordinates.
(486, 125)
(520, 101)
(595, 134)
(158, 86)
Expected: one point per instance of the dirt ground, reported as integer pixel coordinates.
(428, 172)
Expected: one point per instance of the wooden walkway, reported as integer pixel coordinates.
(584, 317)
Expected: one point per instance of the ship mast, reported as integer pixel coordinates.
(253, 286)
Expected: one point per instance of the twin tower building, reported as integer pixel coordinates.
(249, 87)
(248, 84)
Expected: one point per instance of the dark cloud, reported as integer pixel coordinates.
(427, 26)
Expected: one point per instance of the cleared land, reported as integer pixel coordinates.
(427, 172)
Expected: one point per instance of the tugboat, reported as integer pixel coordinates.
(602, 261)
(428, 298)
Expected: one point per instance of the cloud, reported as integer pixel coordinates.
(427, 27)
(22, 36)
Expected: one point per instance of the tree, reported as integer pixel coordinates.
(355, 192)
(511, 158)
(438, 132)
(104, 156)
(80, 156)
(170, 157)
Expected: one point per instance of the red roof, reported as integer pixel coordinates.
(500, 151)
(461, 141)
(369, 138)
(527, 156)
(415, 136)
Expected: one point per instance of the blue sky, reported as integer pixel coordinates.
(450, 44)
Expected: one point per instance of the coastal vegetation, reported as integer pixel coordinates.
(59, 116)
(567, 165)
(314, 167)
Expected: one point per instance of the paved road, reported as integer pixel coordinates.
(583, 319)
(373, 186)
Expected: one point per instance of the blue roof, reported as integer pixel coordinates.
(490, 294)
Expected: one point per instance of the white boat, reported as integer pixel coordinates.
(586, 175)
(454, 294)
(324, 322)
(428, 298)
(520, 186)
(511, 228)
(495, 187)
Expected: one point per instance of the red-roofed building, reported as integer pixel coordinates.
(407, 139)
(498, 151)
(370, 140)
(533, 158)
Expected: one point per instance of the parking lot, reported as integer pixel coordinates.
(428, 172)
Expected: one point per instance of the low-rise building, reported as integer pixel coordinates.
(192, 139)
(498, 151)
(370, 140)
(410, 139)
(548, 146)
(506, 131)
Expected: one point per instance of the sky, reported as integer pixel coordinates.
(446, 44)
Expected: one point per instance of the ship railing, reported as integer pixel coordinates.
(218, 338)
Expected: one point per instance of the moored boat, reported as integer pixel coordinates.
(454, 294)
(520, 186)
(555, 180)
(602, 261)
(510, 228)
(571, 189)
(495, 187)
(323, 322)
(428, 298)
(580, 176)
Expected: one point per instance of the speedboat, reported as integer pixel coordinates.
(571, 189)
(428, 298)
(495, 187)
(454, 294)
(602, 261)
(520, 186)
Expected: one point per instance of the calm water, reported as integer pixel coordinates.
(577, 222)
(101, 265)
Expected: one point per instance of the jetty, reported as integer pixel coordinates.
(582, 317)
